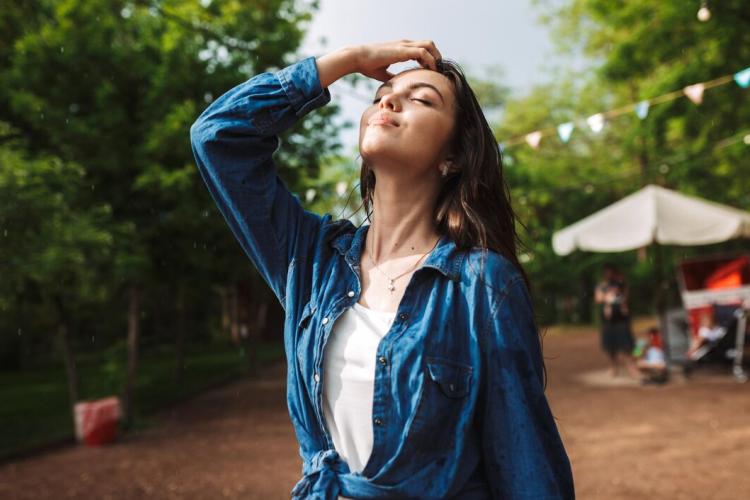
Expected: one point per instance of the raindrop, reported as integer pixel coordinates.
(41, 116)
(19, 332)
(62, 49)
(208, 97)
(195, 244)
(5, 233)
(92, 339)
(205, 213)
(92, 187)
(73, 107)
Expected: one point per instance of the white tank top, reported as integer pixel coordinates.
(348, 381)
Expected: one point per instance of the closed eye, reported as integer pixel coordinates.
(428, 103)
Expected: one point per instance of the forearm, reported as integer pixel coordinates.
(337, 64)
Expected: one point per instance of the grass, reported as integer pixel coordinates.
(34, 407)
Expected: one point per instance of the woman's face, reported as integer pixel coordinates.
(410, 122)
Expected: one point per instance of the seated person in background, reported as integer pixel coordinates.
(708, 332)
(650, 358)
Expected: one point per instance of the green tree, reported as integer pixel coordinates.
(114, 86)
(50, 247)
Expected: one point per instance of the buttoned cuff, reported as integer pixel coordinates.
(301, 83)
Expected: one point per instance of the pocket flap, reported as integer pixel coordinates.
(454, 379)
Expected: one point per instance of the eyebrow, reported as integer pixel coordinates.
(413, 86)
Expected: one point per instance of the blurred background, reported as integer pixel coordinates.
(119, 278)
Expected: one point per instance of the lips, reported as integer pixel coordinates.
(382, 119)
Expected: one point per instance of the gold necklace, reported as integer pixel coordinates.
(391, 285)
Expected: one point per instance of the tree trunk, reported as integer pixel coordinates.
(63, 338)
(181, 333)
(234, 313)
(225, 321)
(133, 337)
(70, 367)
(252, 339)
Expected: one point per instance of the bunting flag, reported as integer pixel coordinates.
(534, 138)
(742, 78)
(695, 92)
(565, 130)
(596, 122)
(641, 109)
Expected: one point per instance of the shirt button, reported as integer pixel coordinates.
(316, 377)
(403, 316)
(378, 421)
(325, 320)
(382, 360)
(351, 293)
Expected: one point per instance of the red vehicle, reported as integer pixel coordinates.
(715, 294)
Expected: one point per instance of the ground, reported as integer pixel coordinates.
(686, 440)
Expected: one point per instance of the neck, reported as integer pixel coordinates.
(402, 218)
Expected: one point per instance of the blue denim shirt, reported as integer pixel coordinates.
(459, 409)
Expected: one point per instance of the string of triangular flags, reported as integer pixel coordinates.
(597, 121)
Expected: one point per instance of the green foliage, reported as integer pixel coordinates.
(637, 50)
(113, 87)
(97, 176)
(50, 245)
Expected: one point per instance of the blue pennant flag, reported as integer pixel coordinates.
(565, 130)
(641, 109)
(743, 78)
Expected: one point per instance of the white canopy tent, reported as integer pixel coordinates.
(653, 215)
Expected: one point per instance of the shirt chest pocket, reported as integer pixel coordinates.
(443, 400)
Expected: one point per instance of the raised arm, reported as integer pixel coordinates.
(233, 141)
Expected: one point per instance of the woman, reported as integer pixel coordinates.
(414, 365)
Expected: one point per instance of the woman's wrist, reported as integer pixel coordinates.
(337, 64)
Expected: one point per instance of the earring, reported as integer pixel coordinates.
(444, 169)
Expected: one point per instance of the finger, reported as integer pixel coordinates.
(430, 46)
(424, 56)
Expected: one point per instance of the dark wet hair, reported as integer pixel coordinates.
(474, 204)
(473, 207)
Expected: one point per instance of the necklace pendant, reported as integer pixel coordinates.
(391, 286)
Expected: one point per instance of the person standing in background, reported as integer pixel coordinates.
(611, 295)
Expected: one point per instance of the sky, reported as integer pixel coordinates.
(474, 33)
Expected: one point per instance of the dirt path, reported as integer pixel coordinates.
(686, 440)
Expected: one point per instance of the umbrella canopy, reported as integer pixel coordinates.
(653, 215)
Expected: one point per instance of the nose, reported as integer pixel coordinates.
(390, 101)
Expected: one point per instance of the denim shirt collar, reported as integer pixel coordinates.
(446, 257)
